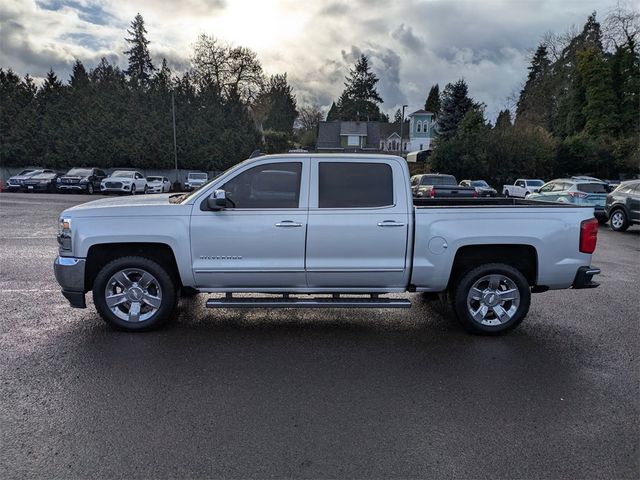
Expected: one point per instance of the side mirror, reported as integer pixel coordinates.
(217, 200)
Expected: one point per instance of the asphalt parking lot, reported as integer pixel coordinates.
(302, 393)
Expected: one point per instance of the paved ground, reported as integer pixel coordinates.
(330, 394)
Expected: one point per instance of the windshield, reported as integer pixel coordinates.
(25, 172)
(197, 176)
(154, 179)
(43, 176)
(535, 183)
(79, 172)
(479, 183)
(122, 173)
(185, 197)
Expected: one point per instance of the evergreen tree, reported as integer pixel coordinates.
(334, 113)
(397, 117)
(140, 66)
(433, 100)
(79, 77)
(360, 99)
(281, 110)
(625, 83)
(455, 104)
(535, 104)
(503, 121)
(599, 116)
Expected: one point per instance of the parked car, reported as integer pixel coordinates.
(623, 206)
(438, 185)
(522, 187)
(303, 224)
(577, 192)
(81, 180)
(195, 180)
(158, 185)
(16, 183)
(482, 187)
(41, 182)
(124, 181)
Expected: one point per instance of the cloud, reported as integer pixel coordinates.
(412, 44)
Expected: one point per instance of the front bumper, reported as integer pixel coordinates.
(12, 187)
(37, 187)
(69, 272)
(583, 278)
(73, 187)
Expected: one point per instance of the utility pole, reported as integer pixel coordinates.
(401, 129)
(175, 144)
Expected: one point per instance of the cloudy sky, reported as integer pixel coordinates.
(412, 44)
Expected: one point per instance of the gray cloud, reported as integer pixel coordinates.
(412, 44)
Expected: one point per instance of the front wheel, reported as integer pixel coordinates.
(90, 189)
(133, 189)
(134, 294)
(506, 194)
(145, 189)
(618, 221)
(491, 299)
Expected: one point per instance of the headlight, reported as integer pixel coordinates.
(64, 233)
(58, 180)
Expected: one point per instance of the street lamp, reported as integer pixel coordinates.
(402, 128)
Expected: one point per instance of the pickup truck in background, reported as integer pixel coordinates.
(438, 185)
(317, 231)
(522, 187)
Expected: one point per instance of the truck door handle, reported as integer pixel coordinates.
(390, 223)
(288, 224)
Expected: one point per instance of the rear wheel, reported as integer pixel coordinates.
(491, 299)
(618, 220)
(134, 294)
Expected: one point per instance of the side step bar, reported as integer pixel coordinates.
(286, 302)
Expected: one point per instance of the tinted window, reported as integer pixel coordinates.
(415, 180)
(592, 187)
(561, 187)
(275, 185)
(439, 180)
(520, 183)
(479, 183)
(79, 172)
(354, 185)
(534, 183)
(547, 188)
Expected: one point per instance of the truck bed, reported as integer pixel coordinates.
(485, 202)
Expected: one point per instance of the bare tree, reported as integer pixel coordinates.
(309, 117)
(622, 27)
(233, 71)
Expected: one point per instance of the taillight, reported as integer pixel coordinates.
(432, 193)
(588, 235)
(475, 193)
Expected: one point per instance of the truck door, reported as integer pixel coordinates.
(258, 240)
(358, 225)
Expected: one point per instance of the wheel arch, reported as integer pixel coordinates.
(100, 254)
(524, 257)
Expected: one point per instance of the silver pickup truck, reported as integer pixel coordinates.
(317, 231)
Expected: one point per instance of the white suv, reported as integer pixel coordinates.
(124, 181)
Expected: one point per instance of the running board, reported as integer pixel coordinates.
(308, 302)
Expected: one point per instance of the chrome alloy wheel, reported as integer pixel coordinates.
(133, 295)
(493, 300)
(617, 219)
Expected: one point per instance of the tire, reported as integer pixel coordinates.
(133, 189)
(482, 282)
(145, 189)
(90, 189)
(506, 194)
(618, 220)
(123, 281)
